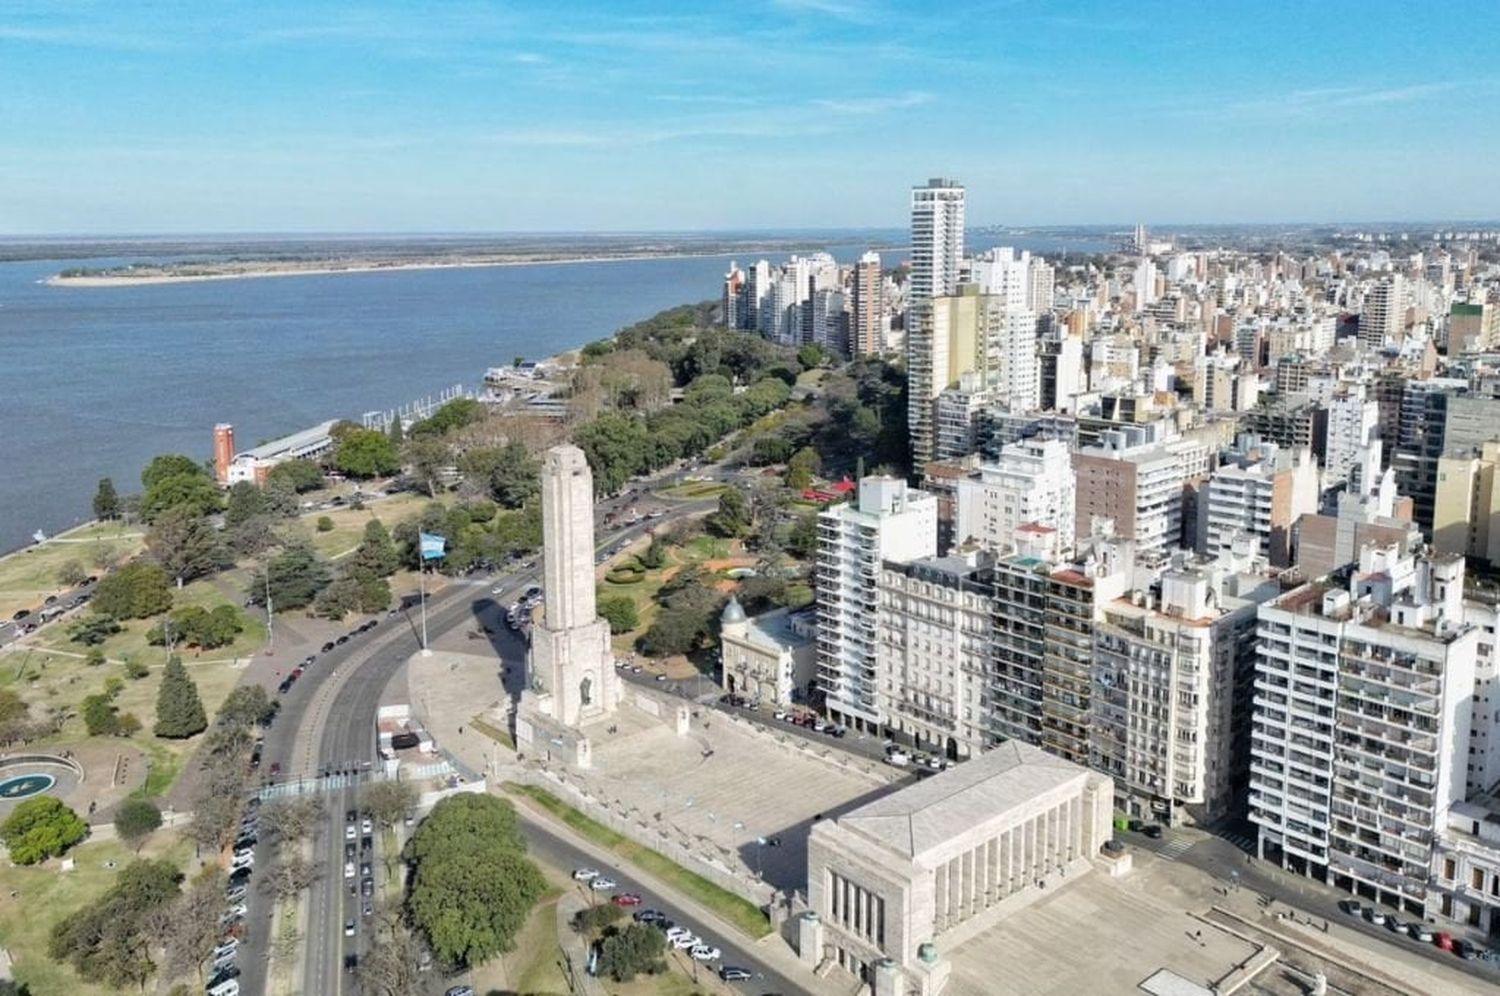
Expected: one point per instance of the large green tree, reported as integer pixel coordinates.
(636, 950)
(455, 414)
(296, 576)
(366, 453)
(41, 828)
(137, 590)
(246, 706)
(376, 556)
(106, 500)
(111, 941)
(299, 475)
(170, 465)
(472, 885)
(186, 544)
(194, 492)
(179, 710)
(135, 820)
(620, 612)
(732, 518)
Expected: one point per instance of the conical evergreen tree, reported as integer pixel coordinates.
(179, 711)
(396, 434)
(106, 500)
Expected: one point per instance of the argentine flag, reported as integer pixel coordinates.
(431, 546)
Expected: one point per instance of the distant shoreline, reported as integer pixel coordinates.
(254, 270)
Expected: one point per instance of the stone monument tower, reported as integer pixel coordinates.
(570, 671)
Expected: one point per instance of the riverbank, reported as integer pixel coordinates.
(140, 277)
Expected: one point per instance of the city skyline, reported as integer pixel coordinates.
(800, 114)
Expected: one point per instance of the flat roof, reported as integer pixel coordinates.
(928, 815)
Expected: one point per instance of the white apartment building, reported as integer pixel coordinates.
(937, 240)
(1353, 426)
(888, 522)
(1032, 482)
(934, 625)
(1382, 314)
(1262, 494)
(956, 418)
(1016, 378)
(1361, 723)
(1172, 668)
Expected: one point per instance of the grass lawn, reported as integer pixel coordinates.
(30, 575)
(43, 895)
(349, 524)
(494, 732)
(694, 489)
(738, 912)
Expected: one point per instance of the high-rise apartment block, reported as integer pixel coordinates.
(1260, 492)
(937, 240)
(887, 522)
(1361, 723)
(1032, 484)
(1382, 314)
(867, 307)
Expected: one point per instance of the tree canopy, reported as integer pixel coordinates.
(137, 590)
(186, 544)
(179, 710)
(366, 453)
(296, 576)
(135, 820)
(195, 492)
(472, 885)
(299, 475)
(106, 500)
(169, 465)
(110, 942)
(41, 828)
(195, 626)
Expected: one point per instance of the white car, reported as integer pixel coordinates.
(602, 884)
(348, 869)
(348, 928)
(703, 952)
(229, 987)
(677, 932)
(366, 827)
(584, 874)
(243, 861)
(229, 946)
(685, 942)
(350, 833)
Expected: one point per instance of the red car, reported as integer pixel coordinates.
(626, 899)
(1443, 940)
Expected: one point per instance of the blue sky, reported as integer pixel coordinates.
(475, 116)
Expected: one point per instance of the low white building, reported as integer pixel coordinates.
(894, 883)
(768, 659)
(254, 465)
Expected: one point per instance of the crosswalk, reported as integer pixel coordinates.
(1175, 848)
(1244, 841)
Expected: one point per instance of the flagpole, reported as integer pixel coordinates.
(422, 587)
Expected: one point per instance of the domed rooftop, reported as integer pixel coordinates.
(732, 612)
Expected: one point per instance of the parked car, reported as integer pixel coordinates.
(328, 646)
(579, 874)
(460, 991)
(733, 973)
(602, 884)
(1464, 949)
(685, 942)
(1375, 916)
(348, 869)
(1152, 830)
(702, 952)
(626, 899)
(1443, 940)
(645, 916)
(1420, 932)
(348, 928)
(1351, 906)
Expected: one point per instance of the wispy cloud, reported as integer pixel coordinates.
(1321, 99)
(874, 105)
(844, 10)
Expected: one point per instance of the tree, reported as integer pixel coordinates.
(41, 828)
(396, 433)
(71, 574)
(135, 820)
(516, 476)
(186, 544)
(110, 941)
(594, 919)
(732, 519)
(99, 716)
(472, 885)
(179, 711)
(291, 874)
(428, 457)
(325, 524)
(801, 468)
(655, 555)
(190, 927)
(802, 541)
(299, 475)
(292, 820)
(296, 576)
(138, 590)
(376, 556)
(392, 966)
(811, 356)
(247, 705)
(388, 802)
(636, 950)
(169, 465)
(338, 599)
(93, 629)
(244, 502)
(195, 626)
(455, 414)
(106, 500)
(365, 453)
(620, 612)
(194, 492)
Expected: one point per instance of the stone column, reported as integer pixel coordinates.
(810, 939)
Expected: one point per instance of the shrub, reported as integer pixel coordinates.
(325, 524)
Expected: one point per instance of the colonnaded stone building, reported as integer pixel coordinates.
(895, 883)
(570, 670)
